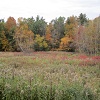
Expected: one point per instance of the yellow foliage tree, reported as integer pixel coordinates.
(40, 44)
(4, 42)
(67, 42)
(24, 37)
(70, 26)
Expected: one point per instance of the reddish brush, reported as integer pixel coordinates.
(96, 58)
(82, 57)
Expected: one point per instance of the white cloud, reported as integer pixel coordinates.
(49, 9)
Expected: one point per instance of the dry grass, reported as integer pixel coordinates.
(60, 70)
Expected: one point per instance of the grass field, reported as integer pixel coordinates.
(49, 76)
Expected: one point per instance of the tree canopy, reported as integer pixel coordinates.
(70, 34)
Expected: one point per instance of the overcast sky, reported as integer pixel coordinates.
(49, 9)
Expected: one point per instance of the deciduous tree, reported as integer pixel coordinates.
(10, 26)
(65, 43)
(40, 44)
(24, 37)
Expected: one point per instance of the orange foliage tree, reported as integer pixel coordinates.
(48, 35)
(11, 23)
(10, 26)
(65, 43)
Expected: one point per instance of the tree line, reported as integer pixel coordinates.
(72, 34)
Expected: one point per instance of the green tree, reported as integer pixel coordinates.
(39, 26)
(57, 32)
(30, 23)
(82, 19)
(58, 24)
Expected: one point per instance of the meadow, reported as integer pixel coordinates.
(51, 75)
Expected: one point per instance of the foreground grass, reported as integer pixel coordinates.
(49, 76)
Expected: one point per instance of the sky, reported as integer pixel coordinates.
(48, 9)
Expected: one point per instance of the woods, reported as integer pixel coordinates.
(76, 33)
